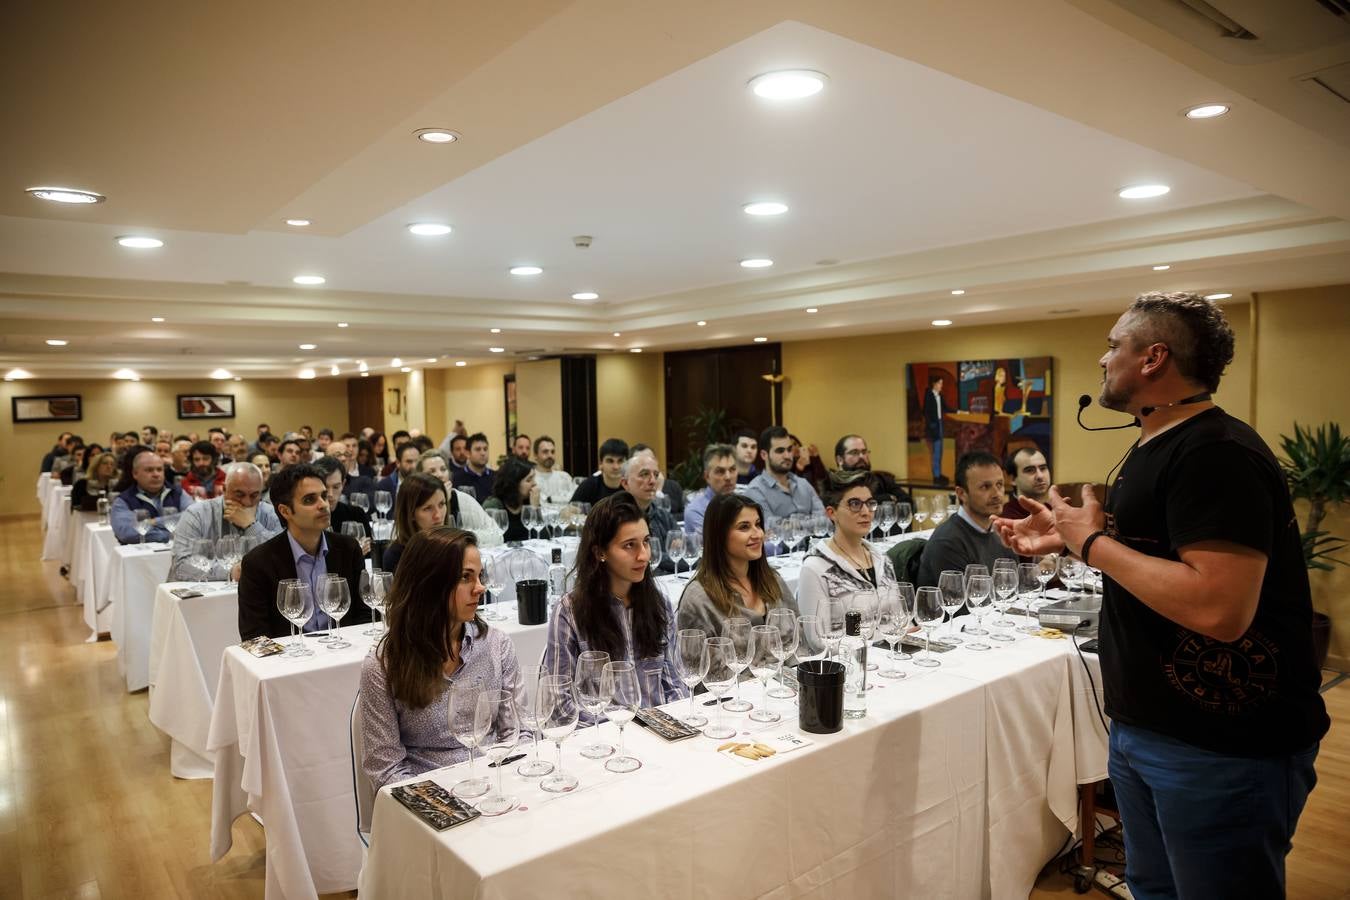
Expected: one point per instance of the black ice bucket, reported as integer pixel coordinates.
(532, 601)
(820, 696)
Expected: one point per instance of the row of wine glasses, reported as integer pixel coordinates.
(298, 605)
(383, 502)
(681, 545)
(146, 520)
(717, 662)
(227, 550)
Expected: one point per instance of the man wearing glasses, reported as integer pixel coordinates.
(1206, 629)
(851, 454)
(967, 537)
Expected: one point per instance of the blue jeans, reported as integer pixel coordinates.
(935, 455)
(1200, 824)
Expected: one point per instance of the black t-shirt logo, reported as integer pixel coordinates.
(1231, 678)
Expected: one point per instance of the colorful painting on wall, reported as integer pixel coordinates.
(995, 405)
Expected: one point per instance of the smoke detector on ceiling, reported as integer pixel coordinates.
(581, 241)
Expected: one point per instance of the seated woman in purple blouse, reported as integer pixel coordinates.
(616, 606)
(436, 641)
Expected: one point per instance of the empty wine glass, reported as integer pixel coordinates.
(557, 712)
(532, 716)
(719, 679)
(693, 549)
(496, 723)
(620, 683)
(335, 598)
(201, 557)
(830, 621)
(1071, 572)
(938, 512)
(384, 501)
(766, 655)
(654, 564)
(971, 571)
(820, 528)
(467, 728)
(1047, 566)
(928, 612)
(867, 604)
(905, 591)
(808, 634)
(1004, 586)
(500, 518)
(886, 516)
(591, 694)
(1028, 585)
(169, 518)
(296, 604)
(530, 518)
(952, 587)
(904, 515)
(693, 649)
(772, 533)
(891, 624)
(675, 548)
(978, 591)
(785, 620)
(360, 501)
(369, 597)
(738, 629)
(920, 511)
(354, 530)
(144, 520)
(494, 575)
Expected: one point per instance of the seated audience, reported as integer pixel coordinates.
(268, 468)
(719, 473)
(99, 478)
(459, 450)
(747, 448)
(466, 510)
(179, 459)
(149, 435)
(512, 490)
(776, 489)
(555, 485)
(147, 492)
(379, 450)
(61, 448)
(734, 577)
(1030, 476)
(288, 452)
(126, 442)
(640, 477)
(306, 550)
(476, 474)
(220, 440)
(269, 445)
(616, 606)
(613, 454)
(365, 458)
(422, 503)
(520, 447)
(968, 537)
(340, 511)
(257, 446)
(236, 448)
(73, 464)
(353, 483)
(406, 457)
(806, 463)
(237, 511)
(845, 564)
(351, 442)
(321, 444)
(851, 454)
(668, 488)
(435, 642)
(205, 479)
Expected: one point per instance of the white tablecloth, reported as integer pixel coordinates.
(187, 639)
(959, 783)
(45, 484)
(74, 531)
(135, 571)
(100, 542)
(57, 521)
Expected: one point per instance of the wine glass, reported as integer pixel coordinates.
(498, 727)
(335, 598)
(971, 571)
(354, 530)
(297, 606)
(867, 603)
(785, 620)
(693, 649)
(144, 520)
(928, 612)
(920, 511)
(619, 682)
(530, 518)
(904, 514)
(1047, 565)
(384, 501)
(820, 528)
(654, 563)
(938, 512)
(809, 632)
(693, 549)
(229, 553)
(952, 587)
(531, 716)
(590, 690)
(557, 713)
(830, 622)
(360, 501)
(766, 655)
(772, 532)
(169, 519)
(978, 591)
(891, 623)
(721, 676)
(500, 518)
(493, 571)
(675, 548)
(1071, 572)
(905, 590)
(886, 516)
(373, 597)
(466, 728)
(202, 556)
(1028, 585)
(1005, 583)
(738, 629)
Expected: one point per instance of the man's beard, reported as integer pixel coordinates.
(206, 474)
(546, 465)
(858, 467)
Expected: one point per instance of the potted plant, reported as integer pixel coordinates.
(1317, 467)
(707, 426)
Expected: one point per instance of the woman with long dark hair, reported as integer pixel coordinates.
(734, 577)
(421, 503)
(435, 641)
(379, 449)
(616, 606)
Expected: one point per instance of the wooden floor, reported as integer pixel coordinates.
(88, 808)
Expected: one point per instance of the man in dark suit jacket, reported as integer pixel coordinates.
(305, 550)
(933, 408)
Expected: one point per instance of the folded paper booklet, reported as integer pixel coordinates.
(914, 643)
(763, 747)
(261, 646)
(185, 593)
(433, 804)
(665, 725)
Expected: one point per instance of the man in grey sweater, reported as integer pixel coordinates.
(966, 537)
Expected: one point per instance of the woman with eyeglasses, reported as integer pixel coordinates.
(846, 563)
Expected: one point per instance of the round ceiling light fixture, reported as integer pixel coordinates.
(702, 322)
(526, 270)
(309, 279)
(65, 194)
(56, 342)
(436, 135)
(635, 350)
(126, 375)
(585, 295)
(788, 84)
(460, 363)
(1161, 268)
(958, 292)
(1142, 191)
(156, 318)
(299, 223)
(761, 340)
(309, 346)
(813, 310)
(1207, 111)
(765, 208)
(430, 229)
(140, 242)
(941, 323)
(756, 262)
(306, 374)
(342, 324)
(221, 375)
(496, 349)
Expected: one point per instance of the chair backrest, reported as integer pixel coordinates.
(362, 786)
(905, 557)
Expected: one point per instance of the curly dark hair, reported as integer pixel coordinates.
(506, 484)
(1194, 329)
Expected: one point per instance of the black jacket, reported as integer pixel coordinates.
(271, 562)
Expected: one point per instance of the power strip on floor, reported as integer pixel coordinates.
(1111, 885)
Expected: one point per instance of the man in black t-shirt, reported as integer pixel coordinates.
(1206, 634)
(593, 489)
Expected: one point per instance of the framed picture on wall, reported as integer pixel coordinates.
(206, 406)
(509, 396)
(47, 408)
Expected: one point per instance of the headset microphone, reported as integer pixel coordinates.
(1084, 401)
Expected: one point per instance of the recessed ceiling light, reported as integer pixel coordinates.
(362, 367)
(395, 362)
(405, 369)
(761, 340)
(156, 318)
(942, 323)
(126, 375)
(1161, 268)
(460, 363)
(765, 208)
(65, 195)
(139, 242)
(1207, 111)
(495, 330)
(56, 342)
(237, 378)
(221, 375)
(496, 349)
(334, 370)
(309, 346)
(429, 229)
(1219, 296)
(430, 360)
(701, 323)
(342, 324)
(958, 292)
(306, 374)
(812, 309)
(309, 279)
(299, 223)
(790, 84)
(635, 350)
(16, 374)
(1142, 191)
(436, 135)
(525, 270)
(585, 295)
(618, 334)
(756, 263)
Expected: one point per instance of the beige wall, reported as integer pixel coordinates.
(539, 401)
(284, 404)
(630, 399)
(1301, 369)
(474, 395)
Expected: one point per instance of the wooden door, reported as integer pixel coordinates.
(365, 403)
(727, 379)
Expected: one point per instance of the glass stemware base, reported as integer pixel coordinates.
(623, 764)
(1001, 637)
(928, 662)
(298, 650)
(469, 788)
(719, 732)
(597, 751)
(559, 783)
(782, 692)
(738, 705)
(497, 804)
(534, 768)
(976, 630)
(976, 645)
(695, 721)
(764, 715)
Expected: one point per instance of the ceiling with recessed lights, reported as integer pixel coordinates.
(937, 152)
